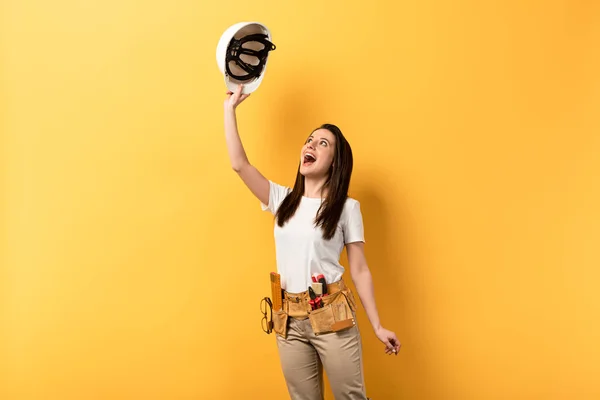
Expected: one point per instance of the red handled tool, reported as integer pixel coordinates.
(315, 301)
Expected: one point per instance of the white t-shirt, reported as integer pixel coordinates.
(301, 249)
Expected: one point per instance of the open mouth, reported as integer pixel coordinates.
(309, 159)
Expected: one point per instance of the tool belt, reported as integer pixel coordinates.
(336, 314)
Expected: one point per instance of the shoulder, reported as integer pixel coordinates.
(277, 193)
(351, 203)
(351, 208)
(276, 187)
(352, 221)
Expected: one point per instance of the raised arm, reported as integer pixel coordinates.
(252, 178)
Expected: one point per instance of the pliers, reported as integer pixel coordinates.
(315, 301)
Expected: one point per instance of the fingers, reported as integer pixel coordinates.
(238, 92)
(389, 347)
(390, 350)
(392, 345)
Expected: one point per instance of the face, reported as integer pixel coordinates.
(317, 154)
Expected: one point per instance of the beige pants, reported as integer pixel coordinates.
(303, 356)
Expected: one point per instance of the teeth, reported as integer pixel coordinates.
(310, 155)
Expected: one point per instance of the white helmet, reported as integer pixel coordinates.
(242, 55)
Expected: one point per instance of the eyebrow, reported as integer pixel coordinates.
(325, 139)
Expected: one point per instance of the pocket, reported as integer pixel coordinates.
(343, 314)
(280, 323)
(350, 299)
(336, 315)
(340, 311)
(322, 320)
(343, 304)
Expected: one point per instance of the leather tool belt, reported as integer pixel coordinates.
(336, 314)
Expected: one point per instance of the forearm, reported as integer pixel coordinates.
(235, 148)
(364, 286)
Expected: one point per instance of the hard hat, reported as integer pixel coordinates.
(242, 55)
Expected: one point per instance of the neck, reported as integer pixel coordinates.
(314, 187)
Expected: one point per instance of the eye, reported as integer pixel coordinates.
(323, 143)
(309, 140)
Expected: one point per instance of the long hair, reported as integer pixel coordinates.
(337, 184)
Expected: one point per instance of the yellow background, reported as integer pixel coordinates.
(133, 258)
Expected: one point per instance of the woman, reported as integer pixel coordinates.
(314, 221)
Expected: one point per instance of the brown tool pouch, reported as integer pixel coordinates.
(280, 323)
(337, 313)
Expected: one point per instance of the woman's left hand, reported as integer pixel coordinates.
(392, 344)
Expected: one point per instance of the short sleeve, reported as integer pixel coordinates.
(277, 194)
(354, 229)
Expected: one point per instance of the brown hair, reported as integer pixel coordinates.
(337, 184)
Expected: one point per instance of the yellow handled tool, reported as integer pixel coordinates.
(276, 293)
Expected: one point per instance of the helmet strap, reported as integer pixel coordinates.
(236, 49)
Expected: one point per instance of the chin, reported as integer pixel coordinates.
(305, 171)
(311, 173)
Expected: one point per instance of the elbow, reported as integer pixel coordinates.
(238, 166)
(360, 272)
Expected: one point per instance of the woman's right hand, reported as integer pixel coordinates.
(234, 99)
